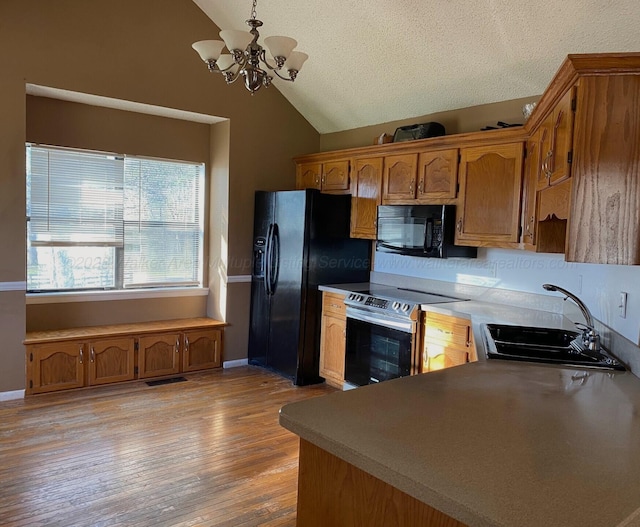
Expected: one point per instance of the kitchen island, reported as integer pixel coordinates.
(491, 443)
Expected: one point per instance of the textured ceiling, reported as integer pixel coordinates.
(376, 61)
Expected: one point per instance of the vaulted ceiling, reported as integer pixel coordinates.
(376, 61)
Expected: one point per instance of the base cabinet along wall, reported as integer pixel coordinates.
(202, 349)
(448, 341)
(82, 357)
(333, 338)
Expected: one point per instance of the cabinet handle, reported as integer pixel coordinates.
(92, 355)
(411, 186)
(324, 178)
(421, 187)
(186, 343)
(459, 226)
(318, 179)
(177, 346)
(337, 306)
(81, 355)
(547, 165)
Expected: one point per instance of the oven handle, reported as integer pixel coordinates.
(358, 314)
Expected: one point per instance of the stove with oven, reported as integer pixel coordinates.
(382, 329)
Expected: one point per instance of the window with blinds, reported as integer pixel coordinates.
(98, 220)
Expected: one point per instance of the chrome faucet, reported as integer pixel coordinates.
(590, 339)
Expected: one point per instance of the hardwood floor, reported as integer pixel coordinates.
(205, 452)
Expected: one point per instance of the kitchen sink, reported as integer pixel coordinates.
(548, 345)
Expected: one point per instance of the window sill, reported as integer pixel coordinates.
(100, 296)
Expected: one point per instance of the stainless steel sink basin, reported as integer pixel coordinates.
(548, 345)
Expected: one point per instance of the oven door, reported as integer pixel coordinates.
(377, 348)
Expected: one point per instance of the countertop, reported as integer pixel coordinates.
(493, 443)
(477, 311)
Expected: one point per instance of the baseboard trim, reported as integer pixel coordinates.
(10, 396)
(235, 363)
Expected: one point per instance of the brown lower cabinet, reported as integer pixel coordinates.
(333, 338)
(448, 341)
(68, 359)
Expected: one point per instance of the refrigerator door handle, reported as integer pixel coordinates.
(267, 260)
(275, 255)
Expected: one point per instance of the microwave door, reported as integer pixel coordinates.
(402, 236)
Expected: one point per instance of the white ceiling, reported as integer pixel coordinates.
(376, 61)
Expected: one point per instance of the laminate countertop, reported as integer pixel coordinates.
(493, 443)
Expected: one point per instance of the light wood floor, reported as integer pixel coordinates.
(204, 452)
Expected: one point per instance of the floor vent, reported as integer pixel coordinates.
(166, 381)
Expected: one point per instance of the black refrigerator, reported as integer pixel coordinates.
(300, 241)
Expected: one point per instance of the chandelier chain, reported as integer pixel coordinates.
(253, 10)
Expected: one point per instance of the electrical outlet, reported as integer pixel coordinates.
(623, 304)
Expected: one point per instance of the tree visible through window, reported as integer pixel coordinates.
(103, 221)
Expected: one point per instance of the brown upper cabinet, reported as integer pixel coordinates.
(399, 179)
(604, 224)
(438, 176)
(367, 183)
(529, 192)
(579, 192)
(427, 177)
(488, 211)
(331, 177)
(556, 142)
(547, 170)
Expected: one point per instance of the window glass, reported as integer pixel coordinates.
(105, 221)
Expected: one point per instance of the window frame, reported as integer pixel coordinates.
(119, 290)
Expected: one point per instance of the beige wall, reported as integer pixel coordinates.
(455, 122)
(137, 51)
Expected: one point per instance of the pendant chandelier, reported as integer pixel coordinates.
(248, 59)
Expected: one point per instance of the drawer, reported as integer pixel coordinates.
(333, 303)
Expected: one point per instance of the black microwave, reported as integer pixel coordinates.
(420, 230)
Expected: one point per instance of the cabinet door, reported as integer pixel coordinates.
(111, 360)
(366, 197)
(545, 153)
(308, 175)
(438, 176)
(55, 366)
(158, 354)
(438, 357)
(489, 201)
(531, 171)
(202, 349)
(556, 145)
(448, 341)
(335, 177)
(332, 348)
(562, 138)
(399, 179)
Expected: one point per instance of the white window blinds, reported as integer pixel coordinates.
(162, 222)
(99, 220)
(75, 198)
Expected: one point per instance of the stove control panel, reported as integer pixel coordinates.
(381, 304)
